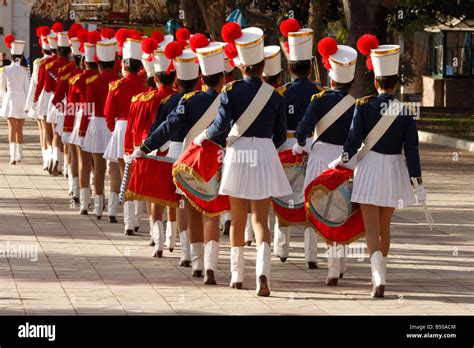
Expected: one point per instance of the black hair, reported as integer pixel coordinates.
(17, 57)
(91, 65)
(166, 79)
(106, 65)
(45, 51)
(255, 69)
(273, 80)
(213, 80)
(300, 68)
(387, 82)
(342, 86)
(54, 51)
(132, 65)
(64, 51)
(188, 85)
(150, 81)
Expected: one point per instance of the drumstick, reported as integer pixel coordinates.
(428, 216)
(123, 186)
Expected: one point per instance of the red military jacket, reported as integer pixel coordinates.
(64, 73)
(121, 92)
(52, 73)
(97, 90)
(142, 114)
(42, 76)
(79, 93)
(72, 101)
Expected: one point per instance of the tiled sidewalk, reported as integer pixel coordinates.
(87, 266)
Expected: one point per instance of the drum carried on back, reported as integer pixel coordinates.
(197, 172)
(290, 209)
(329, 208)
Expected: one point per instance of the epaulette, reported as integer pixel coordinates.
(319, 95)
(38, 61)
(50, 64)
(190, 95)
(136, 97)
(282, 89)
(61, 69)
(147, 96)
(113, 85)
(228, 86)
(74, 79)
(2, 68)
(91, 79)
(364, 100)
(65, 77)
(165, 99)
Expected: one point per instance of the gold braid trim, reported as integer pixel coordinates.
(289, 223)
(131, 196)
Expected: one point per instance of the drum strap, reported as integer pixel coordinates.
(388, 117)
(245, 120)
(204, 121)
(332, 116)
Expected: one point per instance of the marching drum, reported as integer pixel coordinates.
(329, 208)
(197, 172)
(290, 209)
(150, 179)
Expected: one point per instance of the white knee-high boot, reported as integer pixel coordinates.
(12, 153)
(112, 206)
(249, 230)
(378, 274)
(85, 199)
(281, 238)
(262, 269)
(171, 231)
(211, 257)
(138, 214)
(129, 217)
(197, 259)
(99, 206)
(75, 188)
(69, 179)
(237, 267)
(311, 248)
(60, 160)
(19, 152)
(334, 265)
(158, 238)
(185, 249)
(45, 158)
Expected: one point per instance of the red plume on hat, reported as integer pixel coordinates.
(107, 33)
(57, 27)
(365, 44)
(38, 31)
(173, 50)
(45, 31)
(82, 36)
(198, 41)
(74, 29)
(122, 35)
(230, 32)
(157, 36)
(327, 47)
(93, 37)
(289, 25)
(183, 34)
(148, 46)
(9, 40)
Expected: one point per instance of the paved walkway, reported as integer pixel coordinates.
(87, 266)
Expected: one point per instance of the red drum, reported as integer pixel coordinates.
(329, 208)
(150, 179)
(290, 209)
(197, 172)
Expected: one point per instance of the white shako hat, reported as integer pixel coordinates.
(185, 65)
(250, 46)
(18, 47)
(343, 64)
(89, 52)
(211, 58)
(148, 65)
(106, 49)
(75, 44)
(45, 43)
(132, 48)
(228, 68)
(53, 40)
(161, 63)
(63, 40)
(272, 60)
(385, 60)
(301, 44)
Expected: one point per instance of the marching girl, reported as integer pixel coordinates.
(14, 81)
(30, 108)
(255, 126)
(116, 111)
(97, 135)
(159, 137)
(381, 179)
(297, 96)
(180, 123)
(327, 142)
(143, 110)
(79, 90)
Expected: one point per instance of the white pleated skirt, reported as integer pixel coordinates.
(53, 112)
(319, 158)
(60, 119)
(33, 114)
(114, 149)
(97, 136)
(382, 180)
(43, 102)
(74, 137)
(13, 105)
(175, 150)
(252, 170)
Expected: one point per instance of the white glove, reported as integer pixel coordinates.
(298, 149)
(420, 194)
(335, 163)
(127, 158)
(200, 138)
(137, 153)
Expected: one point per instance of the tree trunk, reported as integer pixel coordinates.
(193, 17)
(361, 19)
(317, 12)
